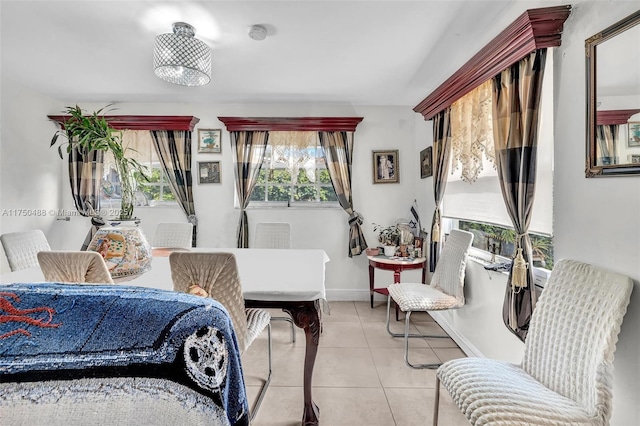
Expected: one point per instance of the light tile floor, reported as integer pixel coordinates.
(360, 377)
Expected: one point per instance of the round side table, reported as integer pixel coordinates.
(396, 265)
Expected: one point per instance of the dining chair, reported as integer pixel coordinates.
(174, 235)
(22, 248)
(74, 267)
(444, 291)
(566, 372)
(275, 235)
(215, 275)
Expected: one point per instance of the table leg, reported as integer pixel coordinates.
(307, 316)
(371, 279)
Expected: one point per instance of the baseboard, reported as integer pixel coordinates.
(467, 347)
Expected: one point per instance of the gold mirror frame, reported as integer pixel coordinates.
(592, 167)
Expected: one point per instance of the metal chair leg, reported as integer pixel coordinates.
(263, 389)
(407, 335)
(293, 327)
(436, 404)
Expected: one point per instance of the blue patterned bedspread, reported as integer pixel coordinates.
(62, 330)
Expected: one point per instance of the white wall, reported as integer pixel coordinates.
(29, 170)
(596, 220)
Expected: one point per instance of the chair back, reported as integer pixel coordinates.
(22, 248)
(275, 235)
(74, 267)
(173, 235)
(448, 276)
(217, 274)
(573, 333)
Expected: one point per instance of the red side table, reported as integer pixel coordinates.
(396, 265)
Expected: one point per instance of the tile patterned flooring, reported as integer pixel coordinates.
(359, 378)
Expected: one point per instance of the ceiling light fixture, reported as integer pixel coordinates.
(180, 58)
(257, 32)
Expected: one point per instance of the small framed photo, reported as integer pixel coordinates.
(634, 134)
(386, 167)
(426, 163)
(210, 140)
(634, 158)
(208, 172)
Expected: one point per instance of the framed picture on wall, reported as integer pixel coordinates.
(210, 140)
(208, 172)
(426, 163)
(634, 134)
(634, 158)
(386, 167)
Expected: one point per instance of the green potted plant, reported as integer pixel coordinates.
(92, 132)
(389, 237)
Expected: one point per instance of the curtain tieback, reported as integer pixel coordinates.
(519, 275)
(192, 219)
(355, 218)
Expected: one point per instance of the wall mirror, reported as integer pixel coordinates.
(613, 99)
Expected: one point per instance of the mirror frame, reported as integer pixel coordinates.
(592, 169)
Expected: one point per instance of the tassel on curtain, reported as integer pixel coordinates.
(441, 155)
(516, 93)
(248, 149)
(338, 152)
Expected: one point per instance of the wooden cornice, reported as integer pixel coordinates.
(142, 122)
(327, 124)
(534, 29)
(616, 116)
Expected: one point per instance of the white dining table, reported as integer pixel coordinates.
(289, 279)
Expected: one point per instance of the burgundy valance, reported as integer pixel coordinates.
(534, 29)
(143, 122)
(616, 116)
(327, 124)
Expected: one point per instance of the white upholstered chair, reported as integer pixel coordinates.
(74, 267)
(275, 235)
(567, 370)
(173, 235)
(22, 248)
(445, 290)
(216, 275)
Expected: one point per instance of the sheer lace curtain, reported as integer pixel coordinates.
(302, 144)
(472, 132)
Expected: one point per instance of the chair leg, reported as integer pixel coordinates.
(407, 335)
(436, 403)
(263, 389)
(293, 327)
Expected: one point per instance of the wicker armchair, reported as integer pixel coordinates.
(22, 248)
(566, 373)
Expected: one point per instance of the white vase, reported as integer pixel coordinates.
(389, 251)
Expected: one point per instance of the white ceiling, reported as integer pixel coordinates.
(338, 52)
